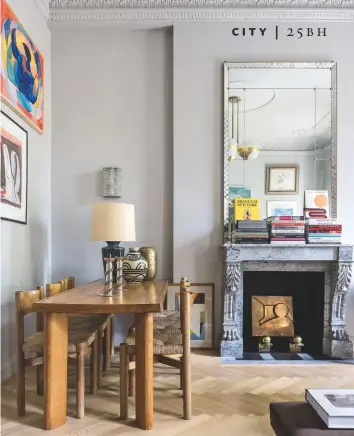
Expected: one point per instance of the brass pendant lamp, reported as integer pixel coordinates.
(243, 151)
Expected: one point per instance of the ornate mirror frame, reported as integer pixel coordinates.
(286, 65)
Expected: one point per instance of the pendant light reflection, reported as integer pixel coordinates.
(235, 149)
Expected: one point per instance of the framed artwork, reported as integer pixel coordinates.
(282, 179)
(281, 208)
(14, 150)
(22, 70)
(202, 312)
(237, 192)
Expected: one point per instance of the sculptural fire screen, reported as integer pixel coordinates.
(272, 316)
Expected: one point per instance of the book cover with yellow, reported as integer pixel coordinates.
(247, 209)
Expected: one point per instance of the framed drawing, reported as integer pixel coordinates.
(282, 179)
(22, 70)
(202, 313)
(281, 208)
(14, 149)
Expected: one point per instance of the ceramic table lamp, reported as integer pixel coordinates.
(113, 223)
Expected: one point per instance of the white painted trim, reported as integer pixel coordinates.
(43, 6)
(169, 16)
(8, 369)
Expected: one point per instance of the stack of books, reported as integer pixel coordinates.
(323, 232)
(251, 232)
(334, 406)
(286, 230)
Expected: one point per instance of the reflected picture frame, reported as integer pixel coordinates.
(202, 312)
(281, 208)
(282, 179)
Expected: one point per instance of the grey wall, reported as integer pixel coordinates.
(25, 249)
(112, 94)
(199, 51)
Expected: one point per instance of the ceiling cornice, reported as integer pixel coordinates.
(207, 4)
(170, 11)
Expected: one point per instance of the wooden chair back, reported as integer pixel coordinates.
(64, 284)
(24, 305)
(70, 282)
(54, 288)
(185, 313)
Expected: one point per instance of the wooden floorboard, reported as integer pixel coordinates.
(227, 399)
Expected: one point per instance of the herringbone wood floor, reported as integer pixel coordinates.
(227, 400)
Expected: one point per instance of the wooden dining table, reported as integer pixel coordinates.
(143, 300)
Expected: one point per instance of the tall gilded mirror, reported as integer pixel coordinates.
(279, 136)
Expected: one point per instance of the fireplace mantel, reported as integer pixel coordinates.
(336, 261)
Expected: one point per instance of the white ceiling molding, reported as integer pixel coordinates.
(170, 11)
(207, 4)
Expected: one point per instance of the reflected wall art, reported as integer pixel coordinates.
(202, 312)
(22, 70)
(13, 141)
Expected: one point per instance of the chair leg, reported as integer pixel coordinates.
(93, 367)
(131, 391)
(99, 358)
(124, 370)
(40, 379)
(112, 335)
(181, 379)
(80, 380)
(107, 347)
(21, 391)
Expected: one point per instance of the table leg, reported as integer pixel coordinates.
(55, 369)
(144, 370)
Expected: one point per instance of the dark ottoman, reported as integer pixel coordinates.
(299, 419)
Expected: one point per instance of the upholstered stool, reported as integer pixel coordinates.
(299, 419)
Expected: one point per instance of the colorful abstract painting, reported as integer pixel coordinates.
(201, 322)
(22, 70)
(13, 141)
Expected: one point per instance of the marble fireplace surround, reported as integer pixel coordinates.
(336, 261)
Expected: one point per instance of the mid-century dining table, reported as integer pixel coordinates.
(143, 300)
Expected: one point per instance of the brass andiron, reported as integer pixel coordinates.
(265, 344)
(295, 346)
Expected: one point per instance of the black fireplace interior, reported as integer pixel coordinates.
(307, 291)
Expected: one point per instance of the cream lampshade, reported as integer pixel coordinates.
(113, 223)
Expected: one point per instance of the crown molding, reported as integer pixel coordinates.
(202, 4)
(170, 11)
(43, 6)
(169, 17)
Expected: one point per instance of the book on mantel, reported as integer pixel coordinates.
(286, 230)
(246, 209)
(251, 232)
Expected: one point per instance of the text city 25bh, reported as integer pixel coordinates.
(298, 32)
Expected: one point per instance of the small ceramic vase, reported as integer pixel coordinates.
(134, 266)
(149, 253)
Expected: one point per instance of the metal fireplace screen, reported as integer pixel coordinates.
(272, 316)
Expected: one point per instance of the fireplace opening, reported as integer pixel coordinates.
(307, 292)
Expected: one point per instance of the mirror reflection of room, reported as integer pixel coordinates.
(280, 143)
